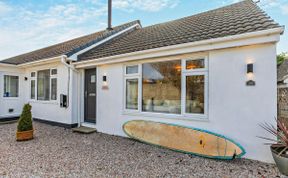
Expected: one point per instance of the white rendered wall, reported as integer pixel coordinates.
(235, 110)
(7, 103)
(51, 110)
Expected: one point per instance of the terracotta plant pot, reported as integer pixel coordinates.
(25, 135)
(280, 160)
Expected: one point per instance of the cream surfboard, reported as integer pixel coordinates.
(184, 139)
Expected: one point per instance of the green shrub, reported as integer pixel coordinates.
(25, 121)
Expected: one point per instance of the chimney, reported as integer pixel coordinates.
(109, 15)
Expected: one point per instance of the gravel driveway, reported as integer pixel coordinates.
(58, 152)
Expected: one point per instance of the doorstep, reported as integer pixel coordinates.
(84, 130)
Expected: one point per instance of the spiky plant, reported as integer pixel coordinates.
(25, 121)
(280, 132)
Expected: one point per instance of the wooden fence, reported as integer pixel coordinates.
(283, 103)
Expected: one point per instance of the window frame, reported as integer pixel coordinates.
(184, 73)
(35, 78)
(132, 76)
(18, 90)
(53, 76)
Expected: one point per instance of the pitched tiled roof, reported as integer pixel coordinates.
(238, 18)
(66, 48)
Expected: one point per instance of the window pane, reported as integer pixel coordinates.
(33, 74)
(32, 89)
(132, 69)
(195, 94)
(53, 89)
(43, 84)
(53, 71)
(195, 64)
(161, 87)
(11, 86)
(132, 94)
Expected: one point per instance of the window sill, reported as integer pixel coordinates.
(44, 102)
(201, 118)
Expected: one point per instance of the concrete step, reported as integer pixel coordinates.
(84, 130)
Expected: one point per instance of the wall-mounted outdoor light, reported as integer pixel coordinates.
(250, 75)
(25, 78)
(104, 78)
(105, 84)
(249, 68)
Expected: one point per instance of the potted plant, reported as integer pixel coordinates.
(279, 147)
(25, 126)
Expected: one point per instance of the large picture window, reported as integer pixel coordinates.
(176, 87)
(11, 86)
(46, 85)
(161, 87)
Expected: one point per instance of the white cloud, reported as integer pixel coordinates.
(145, 5)
(284, 9)
(4, 8)
(34, 28)
(40, 28)
(282, 5)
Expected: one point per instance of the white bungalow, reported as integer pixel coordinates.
(214, 70)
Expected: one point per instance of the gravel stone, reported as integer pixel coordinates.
(58, 152)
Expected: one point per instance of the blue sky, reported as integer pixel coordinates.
(27, 25)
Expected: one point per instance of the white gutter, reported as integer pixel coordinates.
(40, 62)
(269, 32)
(7, 65)
(64, 61)
(74, 56)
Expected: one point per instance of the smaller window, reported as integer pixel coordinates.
(54, 89)
(32, 89)
(53, 71)
(93, 79)
(132, 69)
(11, 86)
(195, 94)
(195, 64)
(33, 74)
(132, 94)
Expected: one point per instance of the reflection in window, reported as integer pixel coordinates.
(53, 71)
(32, 89)
(43, 85)
(132, 94)
(161, 87)
(132, 69)
(195, 64)
(54, 89)
(195, 94)
(11, 86)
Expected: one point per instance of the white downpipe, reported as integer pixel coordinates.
(64, 61)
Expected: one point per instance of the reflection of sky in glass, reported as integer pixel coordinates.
(149, 72)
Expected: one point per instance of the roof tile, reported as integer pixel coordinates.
(238, 18)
